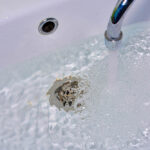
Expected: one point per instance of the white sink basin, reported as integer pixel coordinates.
(78, 20)
(117, 105)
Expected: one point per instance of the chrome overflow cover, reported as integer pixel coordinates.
(48, 26)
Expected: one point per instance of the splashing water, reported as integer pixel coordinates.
(117, 104)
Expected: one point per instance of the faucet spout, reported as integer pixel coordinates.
(113, 34)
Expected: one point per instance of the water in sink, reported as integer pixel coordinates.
(116, 114)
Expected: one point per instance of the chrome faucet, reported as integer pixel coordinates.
(113, 34)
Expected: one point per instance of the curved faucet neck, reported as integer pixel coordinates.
(113, 34)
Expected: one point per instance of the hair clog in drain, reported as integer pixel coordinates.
(65, 93)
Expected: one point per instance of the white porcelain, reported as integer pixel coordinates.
(19, 20)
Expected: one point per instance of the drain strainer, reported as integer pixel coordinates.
(65, 93)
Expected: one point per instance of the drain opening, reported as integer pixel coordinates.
(66, 93)
(48, 26)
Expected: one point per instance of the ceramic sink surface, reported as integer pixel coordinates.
(77, 19)
(117, 104)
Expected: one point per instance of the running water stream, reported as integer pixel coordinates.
(112, 68)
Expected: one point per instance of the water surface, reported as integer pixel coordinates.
(116, 114)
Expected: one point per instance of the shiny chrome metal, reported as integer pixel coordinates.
(49, 24)
(113, 34)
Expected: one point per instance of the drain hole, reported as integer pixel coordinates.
(65, 93)
(48, 26)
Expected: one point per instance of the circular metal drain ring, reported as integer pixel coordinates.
(48, 26)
